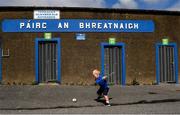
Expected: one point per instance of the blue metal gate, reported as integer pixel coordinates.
(47, 60)
(166, 63)
(113, 62)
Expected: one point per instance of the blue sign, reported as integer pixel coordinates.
(80, 36)
(77, 25)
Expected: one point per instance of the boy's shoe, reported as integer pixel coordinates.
(107, 104)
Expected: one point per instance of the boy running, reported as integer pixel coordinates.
(104, 89)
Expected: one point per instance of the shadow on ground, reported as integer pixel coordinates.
(101, 101)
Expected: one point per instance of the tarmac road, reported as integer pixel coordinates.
(159, 108)
(57, 99)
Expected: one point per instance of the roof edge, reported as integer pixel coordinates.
(115, 10)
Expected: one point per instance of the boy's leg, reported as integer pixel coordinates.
(106, 98)
(105, 93)
(99, 93)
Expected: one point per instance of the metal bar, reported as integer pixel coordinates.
(46, 58)
(44, 67)
(40, 61)
(114, 66)
(161, 63)
(105, 61)
(43, 62)
(116, 72)
(109, 66)
(118, 66)
(165, 64)
(170, 62)
(49, 62)
(167, 61)
(121, 65)
(56, 65)
(173, 62)
(110, 63)
(52, 63)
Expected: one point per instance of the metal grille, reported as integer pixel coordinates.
(167, 66)
(47, 61)
(113, 64)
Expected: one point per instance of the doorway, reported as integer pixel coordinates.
(47, 60)
(113, 63)
(166, 63)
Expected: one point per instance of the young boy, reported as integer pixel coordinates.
(104, 89)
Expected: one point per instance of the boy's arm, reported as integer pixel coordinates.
(101, 80)
(98, 81)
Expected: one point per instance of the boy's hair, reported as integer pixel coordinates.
(96, 71)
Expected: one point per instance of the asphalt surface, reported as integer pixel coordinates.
(58, 99)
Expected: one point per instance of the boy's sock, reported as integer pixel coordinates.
(107, 101)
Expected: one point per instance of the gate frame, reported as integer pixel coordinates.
(119, 44)
(174, 45)
(58, 40)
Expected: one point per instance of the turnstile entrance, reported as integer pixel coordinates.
(113, 64)
(47, 61)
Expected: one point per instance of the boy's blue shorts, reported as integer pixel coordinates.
(103, 91)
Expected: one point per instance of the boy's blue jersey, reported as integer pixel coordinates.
(101, 82)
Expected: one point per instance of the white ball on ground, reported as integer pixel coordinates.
(74, 100)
